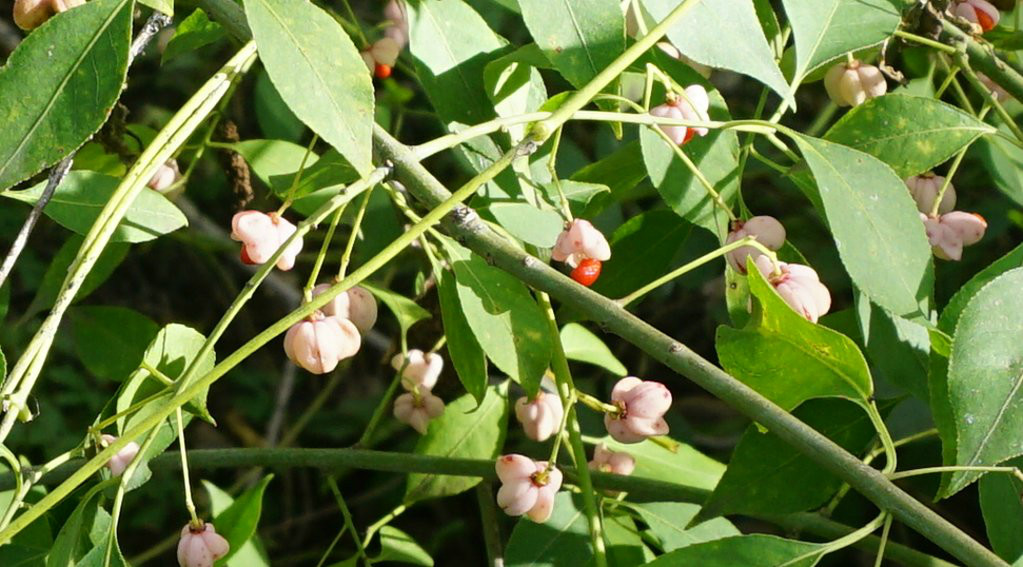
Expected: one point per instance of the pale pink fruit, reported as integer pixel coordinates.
(166, 175)
(261, 234)
(200, 547)
(30, 14)
(527, 487)
(979, 12)
(397, 14)
(356, 304)
(693, 105)
(766, 229)
(122, 458)
(422, 370)
(641, 408)
(606, 460)
(950, 232)
(851, 84)
(541, 417)
(580, 240)
(799, 286)
(384, 51)
(925, 188)
(320, 342)
(417, 411)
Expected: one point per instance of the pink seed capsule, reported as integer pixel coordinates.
(261, 234)
(768, 232)
(417, 411)
(123, 458)
(166, 175)
(852, 84)
(356, 304)
(641, 408)
(580, 240)
(799, 286)
(693, 104)
(925, 188)
(606, 460)
(422, 370)
(320, 342)
(541, 417)
(200, 547)
(981, 13)
(527, 487)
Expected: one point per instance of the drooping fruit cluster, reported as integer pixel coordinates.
(584, 248)
(419, 374)
(693, 105)
(381, 56)
(201, 546)
(853, 83)
(333, 332)
(527, 487)
(540, 417)
(261, 234)
(949, 230)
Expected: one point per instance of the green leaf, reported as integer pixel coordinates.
(871, 216)
(251, 553)
(464, 350)
(193, 32)
(110, 341)
(1005, 164)
(564, 539)
(912, 134)
(72, 542)
(504, 317)
(764, 469)
(406, 311)
(451, 45)
(59, 85)
(515, 86)
(78, 201)
(643, 249)
(111, 257)
(985, 375)
(318, 71)
(399, 547)
(580, 37)
(723, 34)
(754, 550)
(789, 359)
(539, 227)
(1003, 512)
(237, 524)
(465, 430)
(620, 172)
(952, 311)
(823, 32)
(579, 194)
(582, 345)
(898, 349)
(716, 155)
(683, 463)
(275, 119)
(668, 520)
(623, 542)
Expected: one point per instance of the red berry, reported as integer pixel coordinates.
(690, 132)
(587, 271)
(245, 257)
(382, 71)
(985, 21)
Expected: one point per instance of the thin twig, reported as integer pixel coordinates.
(57, 175)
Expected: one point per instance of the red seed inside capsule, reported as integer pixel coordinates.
(382, 71)
(587, 271)
(985, 21)
(245, 257)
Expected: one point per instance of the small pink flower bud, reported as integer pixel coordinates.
(527, 487)
(606, 460)
(693, 104)
(396, 13)
(166, 175)
(262, 234)
(925, 188)
(580, 240)
(30, 14)
(768, 232)
(950, 232)
(422, 370)
(200, 547)
(641, 408)
(417, 411)
(979, 12)
(320, 342)
(123, 458)
(851, 84)
(799, 286)
(357, 305)
(999, 94)
(541, 417)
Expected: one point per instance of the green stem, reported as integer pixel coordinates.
(324, 248)
(349, 523)
(984, 59)
(346, 257)
(951, 173)
(884, 541)
(366, 440)
(934, 470)
(477, 236)
(707, 185)
(926, 41)
(682, 270)
(189, 503)
(298, 176)
(891, 455)
(989, 97)
(383, 521)
(563, 378)
(595, 404)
